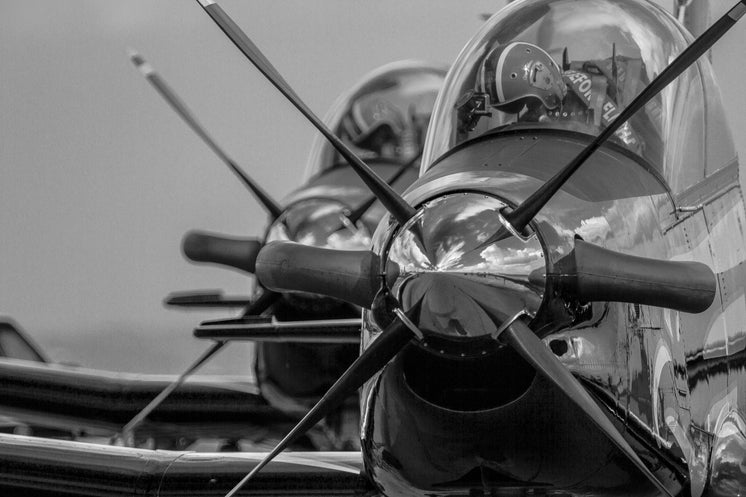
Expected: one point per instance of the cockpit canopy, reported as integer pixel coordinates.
(574, 65)
(383, 117)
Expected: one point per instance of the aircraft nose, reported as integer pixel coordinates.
(462, 288)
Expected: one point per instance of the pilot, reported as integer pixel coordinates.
(380, 129)
(521, 78)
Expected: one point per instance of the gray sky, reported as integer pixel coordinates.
(99, 179)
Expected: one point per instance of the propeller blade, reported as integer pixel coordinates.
(393, 202)
(358, 213)
(238, 253)
(349, 275)
(128, 429)
(527, 210)
(375, 357)
(204, 298)
(272, 207)
(532, 349)
(594, 274)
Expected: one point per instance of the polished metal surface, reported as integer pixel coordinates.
(319, 331)
(39, 467)
(538, 443)
(462, 286)
(728, 466)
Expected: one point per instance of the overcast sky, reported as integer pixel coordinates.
(99, 179)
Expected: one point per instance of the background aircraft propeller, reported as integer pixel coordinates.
(272, 207)
(239, 253)
(588, 273)
(391, 200)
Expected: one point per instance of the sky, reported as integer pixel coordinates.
(99, 179)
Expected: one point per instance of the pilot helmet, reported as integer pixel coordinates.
(384, 117)
(519, 74)
(375, 124)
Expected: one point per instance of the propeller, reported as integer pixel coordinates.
(203, 247)
(349, 275)
(254, 309)
(593, 274)
(391, 200)
(519, 217)
(523, 340)
(240, 253)
(272, 207)
(588, 273)
(374, 358)
(361, 209)
(585, 274)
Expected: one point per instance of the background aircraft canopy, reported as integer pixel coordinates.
(384, 116)
(570, 64)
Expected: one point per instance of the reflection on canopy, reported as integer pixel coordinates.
(461, 286)
(597, 54)
(383, 117)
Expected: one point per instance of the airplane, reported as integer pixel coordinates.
(46, 399)
(385, 115)
(553, 307)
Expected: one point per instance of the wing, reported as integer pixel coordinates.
(101, 402)
(34, 466)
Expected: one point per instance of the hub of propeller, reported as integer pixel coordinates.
(458, 290)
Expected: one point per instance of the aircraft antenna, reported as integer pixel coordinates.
(565, 60)
(615, 73)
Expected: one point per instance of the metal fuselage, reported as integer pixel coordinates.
(669, 380)
(292, 375)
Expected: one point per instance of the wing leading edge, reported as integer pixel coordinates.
(34, 466)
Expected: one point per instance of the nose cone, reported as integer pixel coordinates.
(465, 287)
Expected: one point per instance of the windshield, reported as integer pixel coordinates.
(568, 64)
(383, 117)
